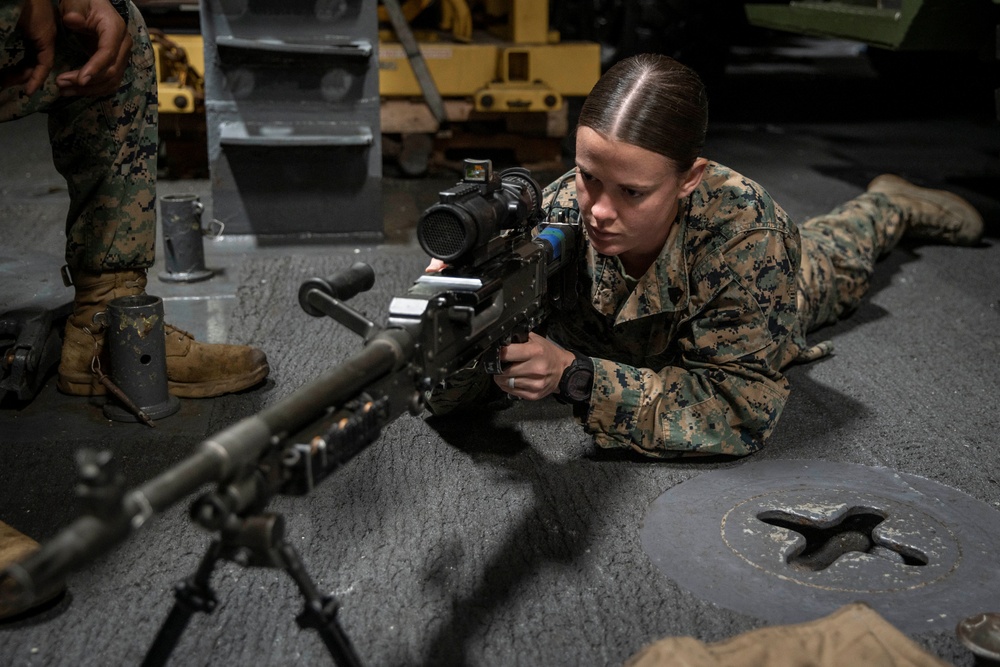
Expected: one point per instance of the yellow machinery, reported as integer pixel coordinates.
(515, 72)
(518, 67)
(180, 65)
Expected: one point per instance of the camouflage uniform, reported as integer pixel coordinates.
(688, 358)
(105, 147)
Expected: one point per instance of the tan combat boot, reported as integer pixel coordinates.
(83, 344)
(202, 370)
(932, 215)
(15, 547)
(194, 370)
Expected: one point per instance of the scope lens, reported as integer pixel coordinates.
(442, 235)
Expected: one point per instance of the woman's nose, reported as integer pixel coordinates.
(603, 210)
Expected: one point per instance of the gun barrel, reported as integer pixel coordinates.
(216, 459)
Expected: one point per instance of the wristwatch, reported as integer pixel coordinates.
(577, 380)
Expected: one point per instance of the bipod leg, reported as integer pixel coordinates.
(320, 612)
(193, 594)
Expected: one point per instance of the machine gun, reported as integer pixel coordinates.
(507, 270)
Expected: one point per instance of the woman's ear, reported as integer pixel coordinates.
(692, 177)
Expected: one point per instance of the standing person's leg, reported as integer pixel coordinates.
(106, 149)
(840, 249)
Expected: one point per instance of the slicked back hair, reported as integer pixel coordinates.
(653, 102)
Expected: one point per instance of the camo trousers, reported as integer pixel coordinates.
(105, 148)
(839, 252)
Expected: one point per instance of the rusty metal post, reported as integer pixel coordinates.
(137, 354)
(184, 252)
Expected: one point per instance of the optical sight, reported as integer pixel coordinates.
(471, 217)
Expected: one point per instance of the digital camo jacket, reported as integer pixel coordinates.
(688, 358)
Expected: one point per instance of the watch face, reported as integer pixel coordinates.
(578, 384)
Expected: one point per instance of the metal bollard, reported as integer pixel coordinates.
(180, 216)
(136, 346)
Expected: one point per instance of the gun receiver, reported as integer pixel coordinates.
(512, 271)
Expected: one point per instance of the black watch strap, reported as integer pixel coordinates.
(577, 380)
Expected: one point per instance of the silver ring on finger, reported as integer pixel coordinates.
(510, 382)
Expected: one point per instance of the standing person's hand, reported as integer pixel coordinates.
(102, 29)
(37, 24)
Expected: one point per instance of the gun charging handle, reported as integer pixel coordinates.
(319, 297)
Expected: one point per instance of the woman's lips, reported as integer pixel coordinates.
(597, 236)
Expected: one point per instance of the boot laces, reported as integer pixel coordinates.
(97, 350)
(928, 216)
(95, 360)
(170, 328)
(947, 224)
